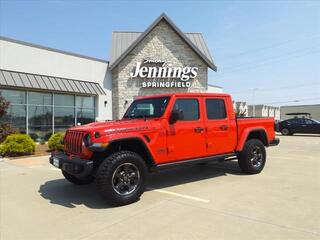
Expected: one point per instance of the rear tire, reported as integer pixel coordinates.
(77, 181)
(285, 132)
(253, 157)
(121, 178)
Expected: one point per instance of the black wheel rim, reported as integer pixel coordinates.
(256, 157)
(285, 131)
(125, 179)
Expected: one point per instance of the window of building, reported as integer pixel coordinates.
(85, 116)
(40, 122)
(215, 109)
(64, 118)
(84, 102)
(16, 113)
(16, 116)
(64, 100)
(64, 112)
(39, 98)
(14, 97)
(85, 109)
(188, 109)
(35, 113)
(40, 115)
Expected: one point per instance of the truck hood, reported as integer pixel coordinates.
(109, 127)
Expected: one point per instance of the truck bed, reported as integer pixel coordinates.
(266, 123)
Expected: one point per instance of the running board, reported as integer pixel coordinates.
(216, 158)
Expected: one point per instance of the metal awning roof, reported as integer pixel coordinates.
(49, 83)
(121, 41)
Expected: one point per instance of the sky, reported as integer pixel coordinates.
(267, 52)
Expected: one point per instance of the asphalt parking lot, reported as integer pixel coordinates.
(211, 201)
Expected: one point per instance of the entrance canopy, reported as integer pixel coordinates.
(42, 82)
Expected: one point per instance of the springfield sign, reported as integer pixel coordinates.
(158, 73)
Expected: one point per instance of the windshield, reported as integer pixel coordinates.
(147, 108)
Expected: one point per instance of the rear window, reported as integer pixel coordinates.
(216, 109)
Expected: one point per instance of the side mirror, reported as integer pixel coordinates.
(174, 117)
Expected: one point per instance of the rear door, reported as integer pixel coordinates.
(302, 126)
(186, 138)
(221, 129)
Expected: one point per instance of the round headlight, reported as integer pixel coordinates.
(97, 135)
(62, 140)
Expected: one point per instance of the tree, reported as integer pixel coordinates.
(5, 128)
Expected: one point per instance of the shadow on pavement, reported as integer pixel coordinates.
(63, 193)
(188, 174)
(66, 194)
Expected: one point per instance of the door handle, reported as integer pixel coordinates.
(224, 127)
(199, 129)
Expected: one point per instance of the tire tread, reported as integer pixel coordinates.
(243, 157)
(105, 171)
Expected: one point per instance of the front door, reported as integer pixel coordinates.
(186, 137)
(312, 126)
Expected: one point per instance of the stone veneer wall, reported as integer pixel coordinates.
(161, 43)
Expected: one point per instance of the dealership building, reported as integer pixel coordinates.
(50, 90)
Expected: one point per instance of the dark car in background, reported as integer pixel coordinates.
(299, 125)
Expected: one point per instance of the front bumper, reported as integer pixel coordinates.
(274, 142)
(73, 165)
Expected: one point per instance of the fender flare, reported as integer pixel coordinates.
(135, 138)
(247, 132)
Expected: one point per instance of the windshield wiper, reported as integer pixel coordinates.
(136, 117)
(142, 116)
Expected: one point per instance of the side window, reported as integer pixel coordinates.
(290, 121)
(188, 109)
(309, 122)
(294, 121)
(216, 109)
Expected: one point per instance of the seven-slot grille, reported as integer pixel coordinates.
(73, 142)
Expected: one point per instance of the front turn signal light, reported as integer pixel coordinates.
(100, 145)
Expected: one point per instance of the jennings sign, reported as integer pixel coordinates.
(159, 73)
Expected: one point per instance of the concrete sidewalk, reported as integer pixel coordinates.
(29, 161)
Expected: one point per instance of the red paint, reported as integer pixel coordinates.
(180, 141)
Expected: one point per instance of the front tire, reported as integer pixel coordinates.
(76, 180)
(121, 178)
(253, 157)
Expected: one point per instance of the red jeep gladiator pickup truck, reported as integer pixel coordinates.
(158, 132)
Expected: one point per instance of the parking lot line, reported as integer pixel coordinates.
(180, 195)
(56, 169)
(282, 158)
